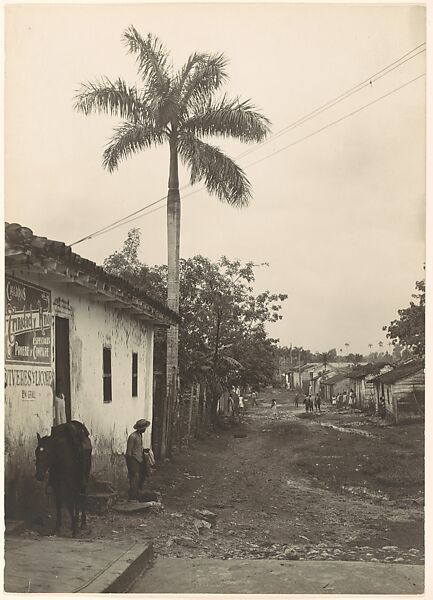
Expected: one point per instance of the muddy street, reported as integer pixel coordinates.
(331, 486)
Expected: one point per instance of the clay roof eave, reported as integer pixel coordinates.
(24, 250)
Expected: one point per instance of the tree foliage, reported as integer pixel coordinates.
(223, 332)
(408, 331)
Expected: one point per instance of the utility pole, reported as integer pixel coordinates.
(291, 369)
(299, 368)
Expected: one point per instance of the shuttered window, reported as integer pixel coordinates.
(134, 374)
(106, 374)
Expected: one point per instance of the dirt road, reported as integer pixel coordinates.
(330, 486)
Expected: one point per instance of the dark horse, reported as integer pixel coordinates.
(66, 454)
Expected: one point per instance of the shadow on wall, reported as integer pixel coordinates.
(25, 497)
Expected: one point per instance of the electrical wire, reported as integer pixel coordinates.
(335, 122)
(341, 97)
(333, 102)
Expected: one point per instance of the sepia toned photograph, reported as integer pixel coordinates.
(214, 298)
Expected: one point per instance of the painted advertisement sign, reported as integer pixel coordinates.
(27, 323)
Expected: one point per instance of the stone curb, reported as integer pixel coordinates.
(119, 576)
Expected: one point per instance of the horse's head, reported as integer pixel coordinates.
(44, 456)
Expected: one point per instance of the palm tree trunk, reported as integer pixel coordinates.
(173, 242)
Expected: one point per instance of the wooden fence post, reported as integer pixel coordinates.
(191, 402)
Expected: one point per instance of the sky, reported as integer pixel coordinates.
(339, 214)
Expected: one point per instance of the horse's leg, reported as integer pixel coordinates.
(73, 512)
(83, 497)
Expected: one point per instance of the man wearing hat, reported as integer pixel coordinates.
(135, 460)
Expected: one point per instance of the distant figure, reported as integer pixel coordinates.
(59, 409)
(345, 399)
(318, 401)
(351, 398)
(306, 402)
(334, 400)
(310, 403)
(296, 400)
(382, 407)
(241, 405)
(274, 409)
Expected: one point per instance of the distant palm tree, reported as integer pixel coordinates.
(347, 346)
(370, 346)
(177, 109)
(325, 358)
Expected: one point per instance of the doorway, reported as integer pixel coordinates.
(63, 371)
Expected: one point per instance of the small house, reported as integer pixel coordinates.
(334, 385)
(75, 329)
(360, 382)
(401, 392)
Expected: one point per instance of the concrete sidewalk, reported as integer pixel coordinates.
(215, 576)
(56, 565)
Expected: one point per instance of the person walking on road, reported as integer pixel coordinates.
(136, 461)
(319, 401)
(274, 409)
(296, 400)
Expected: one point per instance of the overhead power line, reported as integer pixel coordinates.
(331, 103)
(354, 112)
(298, 141)
(314, 113)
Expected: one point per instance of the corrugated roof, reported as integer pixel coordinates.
(400, 373)
(21, 240)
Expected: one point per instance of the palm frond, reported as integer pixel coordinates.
(220, 174)
(228, 118)
(129, 138)
(113, 97)
(152, 58)
(205, 77)
(183, 74)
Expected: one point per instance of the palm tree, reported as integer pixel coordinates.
(347, 346)
(177, 108)
(325, 358)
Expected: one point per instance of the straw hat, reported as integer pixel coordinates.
(142, 424)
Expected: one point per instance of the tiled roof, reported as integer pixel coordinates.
(369, 369)
(21, 242)
(400, 372)
(335, 379)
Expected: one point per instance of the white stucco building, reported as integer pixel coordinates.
(72, 327)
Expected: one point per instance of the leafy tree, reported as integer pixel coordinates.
(223, 337)
(354, 358)
(408, 331)
(177, 109)
(325, 359)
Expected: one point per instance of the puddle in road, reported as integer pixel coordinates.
(365, 492)
(348, 429)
